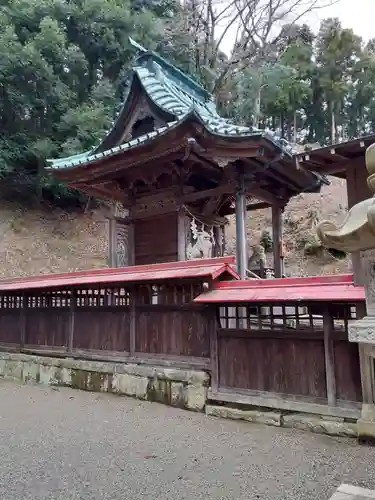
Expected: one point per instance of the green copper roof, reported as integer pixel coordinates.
(178, 95)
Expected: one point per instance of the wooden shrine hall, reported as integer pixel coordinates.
(173, 170)
(189, 334)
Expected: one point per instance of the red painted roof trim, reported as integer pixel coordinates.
(317, 289)
(191, 269)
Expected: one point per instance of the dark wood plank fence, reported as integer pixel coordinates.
(156, 321)
(288, 352)
(262, 354)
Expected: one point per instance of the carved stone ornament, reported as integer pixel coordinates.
(204, 241)
(357, 232)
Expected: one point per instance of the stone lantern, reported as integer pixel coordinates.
(357, 234)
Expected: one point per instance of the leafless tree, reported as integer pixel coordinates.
(226, 36)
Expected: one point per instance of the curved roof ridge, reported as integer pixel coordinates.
(176, 73)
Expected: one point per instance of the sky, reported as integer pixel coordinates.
(356, 14)
(359, 15)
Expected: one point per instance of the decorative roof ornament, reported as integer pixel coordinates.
(357, 232)
(136, 45)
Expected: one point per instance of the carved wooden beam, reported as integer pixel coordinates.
(212, 205)
(251, 207)
(198, 195)
(101, 192)
(261, 193)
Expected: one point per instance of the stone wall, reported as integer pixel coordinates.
(175, 387)
(181, 388)
(332, 426)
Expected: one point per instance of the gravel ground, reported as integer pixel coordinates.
(66, 444)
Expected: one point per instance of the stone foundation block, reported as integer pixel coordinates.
(2, 367)
(177, 394)
(65, 376)
(47, 375)
(30, 373)
(160, 391)
(195, 378)
(13, 369)
(171, 386)
(195, 397)
(256, 416)
(320, 425)
(130, 385)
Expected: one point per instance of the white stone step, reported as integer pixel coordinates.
(349, 492)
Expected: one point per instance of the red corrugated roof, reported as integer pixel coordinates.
(323, 288)
(199, 268)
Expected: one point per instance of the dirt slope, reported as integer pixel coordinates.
(39, 241)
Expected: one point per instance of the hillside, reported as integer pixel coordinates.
(42, 240)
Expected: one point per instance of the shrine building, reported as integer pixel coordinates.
(173, 170)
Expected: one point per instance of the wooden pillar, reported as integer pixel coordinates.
(277, 240)
(73, 298)
(23, 319)
(132, 325)
(241, 244)
(112, 256)
(181, 234)
(329, 356)
(131, 245)
(214, 356)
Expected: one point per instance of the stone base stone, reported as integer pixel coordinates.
(366, 425)
(174, 387)
(362, 330)
(349, 492)
(332, 426)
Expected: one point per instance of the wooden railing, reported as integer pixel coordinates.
(145, 321)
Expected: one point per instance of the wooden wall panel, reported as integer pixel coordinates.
(47, 327)
(184, 333)
(10, 327)
(347, 371)
(155, 239)
(281, 365)
(102, 330)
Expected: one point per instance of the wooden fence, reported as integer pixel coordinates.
(291, 356)
(287, 355)
(148, 321)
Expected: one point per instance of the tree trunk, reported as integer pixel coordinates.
(257, 109)
(333, 125)
(295, 127)
(282, 125)
(289, 130)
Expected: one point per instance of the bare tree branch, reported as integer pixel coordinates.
(256, 25)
